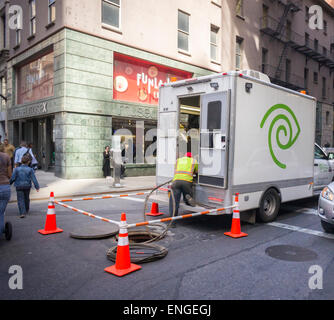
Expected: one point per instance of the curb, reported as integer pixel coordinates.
(88, 194)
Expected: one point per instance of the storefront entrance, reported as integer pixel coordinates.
(40, 133)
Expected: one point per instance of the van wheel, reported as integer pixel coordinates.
(269, 206)
(329, 228)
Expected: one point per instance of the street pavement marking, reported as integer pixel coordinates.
(133, 199)
(299, 229)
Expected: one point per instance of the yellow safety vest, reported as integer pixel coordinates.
(185, 168)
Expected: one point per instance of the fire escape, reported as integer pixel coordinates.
(281, 31)
(289, 6)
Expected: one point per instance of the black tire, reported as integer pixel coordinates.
(269, 206)
(328, 227)
(8, 231)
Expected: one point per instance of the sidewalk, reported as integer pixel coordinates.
(63, 188)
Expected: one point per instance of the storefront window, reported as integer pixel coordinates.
(35, 79)
(137, 139)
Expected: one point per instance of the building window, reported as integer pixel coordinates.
(264, 65)
(325, 27)
(306, 72)
(238, 53)
(307, 40)
(287, 70)
(32, 5)
(52, 11)
(214, 43)
(324, 88)
(3, 89)
(35, 79)
(324, 51)
(265, 16)
(4, 30)
(183, 31)
(307, 14)
(288, 30)
(135, 139)
(316, 45)
(315, 77)
(240, 8)
(18, 37)
(111, 12)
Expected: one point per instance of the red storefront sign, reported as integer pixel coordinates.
(137, 80)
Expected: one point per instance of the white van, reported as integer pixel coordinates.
(249, 137)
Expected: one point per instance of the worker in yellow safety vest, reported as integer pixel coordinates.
(185, 169)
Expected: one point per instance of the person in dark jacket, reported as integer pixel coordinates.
(106, 162)
(22, 177)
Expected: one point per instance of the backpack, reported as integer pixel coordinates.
(30, 157)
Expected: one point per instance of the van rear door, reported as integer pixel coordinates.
(214, 136)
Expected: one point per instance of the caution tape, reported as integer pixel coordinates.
(179, 217)
(105, 197)
(88, 214)
(91, 215)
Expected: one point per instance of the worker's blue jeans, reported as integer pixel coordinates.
(4, 198)
(23, 200)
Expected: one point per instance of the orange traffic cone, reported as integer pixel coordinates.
(50, 223)
(236, 228)
(123, 263)
(154, 210)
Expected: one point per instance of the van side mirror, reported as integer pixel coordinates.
(331, 156)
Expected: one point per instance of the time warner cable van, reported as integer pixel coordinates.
(248, 135)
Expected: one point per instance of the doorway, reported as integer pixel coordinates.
(189, 124)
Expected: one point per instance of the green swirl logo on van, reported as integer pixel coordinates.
(282, 124)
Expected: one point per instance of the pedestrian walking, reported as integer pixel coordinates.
(34, 162)
(9, 150)
(22, 178)
(106, 162)
(5, 174)
(21, 151)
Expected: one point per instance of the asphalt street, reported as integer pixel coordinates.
(273, 262)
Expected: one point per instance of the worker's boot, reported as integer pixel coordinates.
(190, 200)
(173, 225)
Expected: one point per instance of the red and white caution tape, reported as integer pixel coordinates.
(88, 214)
(105, 197)
(178, 217)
